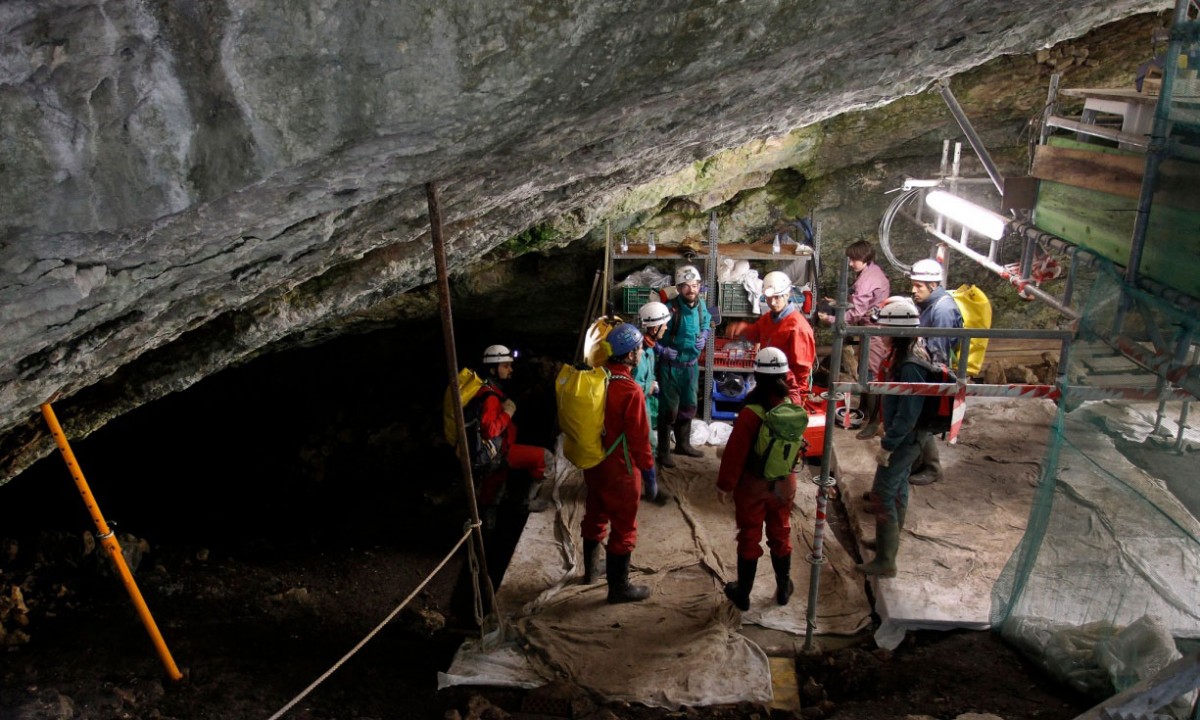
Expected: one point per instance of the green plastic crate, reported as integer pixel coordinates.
(734, 300)
(633, 298)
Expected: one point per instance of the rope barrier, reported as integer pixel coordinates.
(313, 686)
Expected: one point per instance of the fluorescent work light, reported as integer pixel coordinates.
(981, 220)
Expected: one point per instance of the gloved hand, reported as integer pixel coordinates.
(650, 484)
(701, 339)
(883, 457)
(510, 407)
(667, 353)
(715, 312)
(654, 390)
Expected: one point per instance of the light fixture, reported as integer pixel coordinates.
(911, 183)
(981, 220)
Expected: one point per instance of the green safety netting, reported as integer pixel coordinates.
(1104, 588)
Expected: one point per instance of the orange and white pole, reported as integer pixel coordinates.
(109, 541)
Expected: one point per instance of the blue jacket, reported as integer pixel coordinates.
(940, 311)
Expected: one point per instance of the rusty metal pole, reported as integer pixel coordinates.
(824, 481)
(111, 545)
(464, 455)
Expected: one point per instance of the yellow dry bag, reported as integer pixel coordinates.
(976, 311)
(469, 384)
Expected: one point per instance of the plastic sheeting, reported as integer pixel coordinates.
(679, 647)
(961, 531)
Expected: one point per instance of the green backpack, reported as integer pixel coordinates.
(780, 440)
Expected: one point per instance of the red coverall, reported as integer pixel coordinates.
(794, 336)
(613, 490)
(756, 501)
(494, 422)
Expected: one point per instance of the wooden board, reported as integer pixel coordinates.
(1117, 174)
(1103, 223)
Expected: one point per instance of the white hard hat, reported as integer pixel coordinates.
(771, 361)
(497, 354)
(653, 314)
(927, 271)
(899, 312)
(776, 283)
(687, 274)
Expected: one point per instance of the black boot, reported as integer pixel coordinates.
(663, 458)
(783, 578)
(619, 589)
(683, 439)
(739, 592)
(593, 568)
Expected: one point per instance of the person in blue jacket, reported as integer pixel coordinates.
(679, 354)
(938, 310)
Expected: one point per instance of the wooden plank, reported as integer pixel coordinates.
(1117, 174)
(1113, 174)
(1103, 223)
(1111, 363)
(1144, 380)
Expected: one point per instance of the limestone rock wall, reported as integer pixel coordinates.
(190, 184)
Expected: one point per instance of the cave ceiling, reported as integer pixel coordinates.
(188, 185)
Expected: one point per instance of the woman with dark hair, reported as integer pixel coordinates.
(761, 495)
(870, 289)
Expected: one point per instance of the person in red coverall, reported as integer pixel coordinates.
(614, 487)
(757, 501)
(783, 326)
(496, 420)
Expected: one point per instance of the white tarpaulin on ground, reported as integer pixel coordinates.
(679, 647)
(960, 532)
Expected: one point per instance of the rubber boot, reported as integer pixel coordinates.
(927, 468)
(739, 592)
(663, 459)
(870, 408)
(887, 537)
(619, 589)
(900, 512)
(784, 587)
(593, 562)
(683, 439)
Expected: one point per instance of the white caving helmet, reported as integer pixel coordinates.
(776, 283)
(771, 361)
(927, 271)
(496, 354)
(899, 312)
(653, 314)
(687, 274)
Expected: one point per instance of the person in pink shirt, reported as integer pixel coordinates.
(871, 288)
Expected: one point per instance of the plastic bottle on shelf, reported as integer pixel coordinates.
(775, 245)
(650, 243)
(624, 243)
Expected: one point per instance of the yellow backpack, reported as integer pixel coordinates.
(485, 453)
(469, 383)
(595, 351)
(580, 392)
(976, 311)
